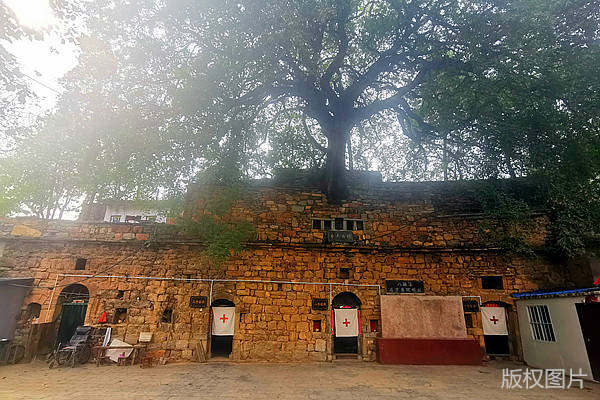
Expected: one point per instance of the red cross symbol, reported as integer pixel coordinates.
(494, 319)
(346, 322)
(223, 318)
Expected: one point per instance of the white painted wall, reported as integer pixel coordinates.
(124, 210)
(568, 352)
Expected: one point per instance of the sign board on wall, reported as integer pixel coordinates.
(401, 286)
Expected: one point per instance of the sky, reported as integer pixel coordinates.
(45, 60)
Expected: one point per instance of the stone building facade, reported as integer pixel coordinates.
(149, 278)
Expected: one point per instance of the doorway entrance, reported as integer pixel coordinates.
(346, 323)
(495, 328)
(589, 315)
(222, 328)
(73, 301)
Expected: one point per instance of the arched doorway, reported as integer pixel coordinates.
(346, 323)
(222, 328)
(73, 302)
(495, 321)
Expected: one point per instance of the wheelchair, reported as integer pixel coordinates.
(77, 350)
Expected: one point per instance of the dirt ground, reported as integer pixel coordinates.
(225, 380)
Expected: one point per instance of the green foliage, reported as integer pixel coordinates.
(207, 215)
(509, 222)
(421, 90)
(222, 239)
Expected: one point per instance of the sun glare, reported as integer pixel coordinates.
(34, 14)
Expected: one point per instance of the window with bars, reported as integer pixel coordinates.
(541, 324)
(338, 224)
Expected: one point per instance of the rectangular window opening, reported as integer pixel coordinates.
(344, 273)
(349, 225)
(469, 320)
(80, 264)
(317, 325)
(492, 282)
(316, 224)
(339, 224)
(120, 316)
(541, 324)
(374, 325)
(327, 225)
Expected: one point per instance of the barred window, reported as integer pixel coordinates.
(541, 325)
(338, 224)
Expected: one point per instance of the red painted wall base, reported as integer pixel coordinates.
(429, 351)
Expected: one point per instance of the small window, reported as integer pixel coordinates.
(316, 223)
(34, 310)
(349, 225)
(120, 316)
(327, 225)
(344, 273)
(541, 324)
(491, 282)
(374, 325)
(359, 225)
(80, 264)
(317, 325)
(133, 219)
(167, 315)
(120, 294)
(469, 320)
(339, 224)
(115, 218)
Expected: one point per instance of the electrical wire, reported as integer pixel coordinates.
(83, 280)
(41, 83)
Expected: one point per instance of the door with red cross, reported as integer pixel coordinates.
(222, 328)
(495, 329)
(346, 328)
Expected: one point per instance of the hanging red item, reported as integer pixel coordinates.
(103, 319)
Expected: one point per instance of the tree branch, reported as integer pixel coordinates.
(311, 138)
(338, 60)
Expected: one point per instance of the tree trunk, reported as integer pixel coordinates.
(335, 168)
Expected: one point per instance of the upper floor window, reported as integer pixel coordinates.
(492, 282)
(338, 224)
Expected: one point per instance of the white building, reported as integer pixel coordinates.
(561, 330)
(122, 212)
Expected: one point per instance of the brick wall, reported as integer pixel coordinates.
(406, 236)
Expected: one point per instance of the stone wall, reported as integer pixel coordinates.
(272, 283)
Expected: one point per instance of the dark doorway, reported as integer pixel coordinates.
(74, 302)
(589, 317)
(496, 345)
(72, 316)
(345, 345)
(221, 346)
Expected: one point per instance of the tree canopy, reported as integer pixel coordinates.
(417, 89)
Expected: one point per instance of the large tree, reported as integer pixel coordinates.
(331, 69)
(418, 89)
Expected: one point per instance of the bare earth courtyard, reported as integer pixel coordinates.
(225, 380)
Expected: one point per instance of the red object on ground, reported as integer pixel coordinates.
(102, 319)
(429, 351)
